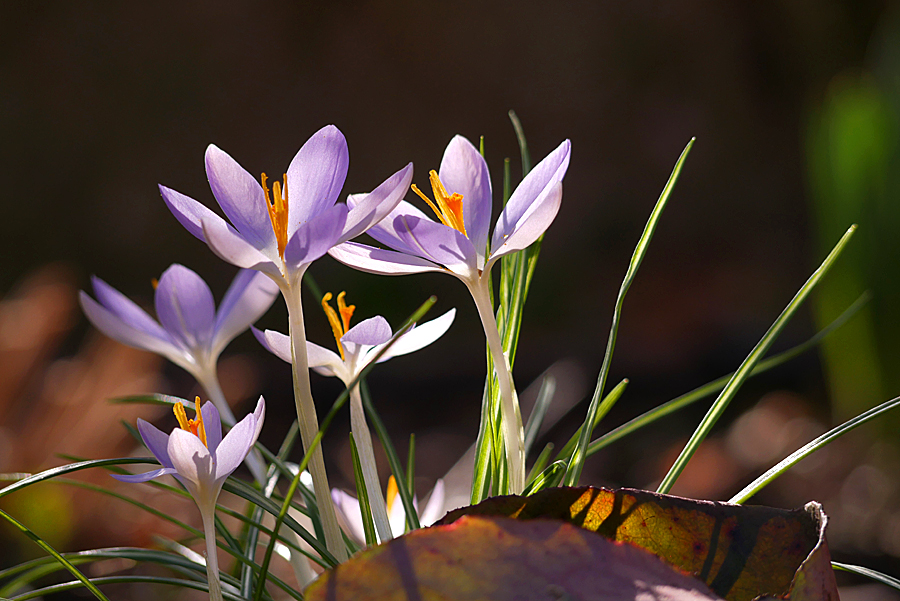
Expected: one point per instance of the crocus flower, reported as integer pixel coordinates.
(190, 332)
(358, 346)
(280, 234)
(349, 509)
(196, 454)
(457, 244)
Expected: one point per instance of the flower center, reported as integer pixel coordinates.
(278, 211)
(447, 207)
(339, 325)
(194, 426)
(392, 492)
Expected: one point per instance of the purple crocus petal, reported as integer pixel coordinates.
(156, 440)
(464, 171)
(228, 244)
(372, 331)
(380, 261)
(434, 508)
(439, 243)
(369, 209)
(247, 299)
(190, 458)
(316, 176)
(187, 211)
(315, 237)
(126, 309)
(112, 325)
(530, 227)
(212, 423)
(280, 345)
(384, 230)
(235, 447)
(420, 336)
(536, 185)
(241, 197)
(146, 476)
(185, 306)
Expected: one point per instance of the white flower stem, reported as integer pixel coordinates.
(309, 424)
(212, 558)
(209, 380)
(511, 417)
(369, 470)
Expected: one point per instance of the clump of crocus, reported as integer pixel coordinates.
(457, 244)
(280, 232)
(357, 347)
(197, 456)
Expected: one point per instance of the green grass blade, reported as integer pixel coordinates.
(523, 145)
(539, 464)
(82, 579)
(730, 390)
(536, 419)
(72, 467)
(576, 464)
(362, 495)
(647, 418)
(411, 465)
(810, 448)
(548, 478)
(608, 401)
(868, 573)
(177, 582)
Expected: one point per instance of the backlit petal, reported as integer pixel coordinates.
(380, 261)
(316, 176)
(534, 223)
(439, 243)
(384, 231)
(241, 197)
(126, 309)
(369, 209)
(434, 509)
(420, 336)
(146, 476)
(185, 306)
(315, 237)
(536, 185)
(187, 211)
(235, 446)
(374, 330)
(156, 440)
(191, 459)
(228, 244)
(212, 423)
(464, 171)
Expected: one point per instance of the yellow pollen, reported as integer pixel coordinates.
(339, 325)
(155, 283)
(449, 208)
(392, 492)
(277, 205)
(194, 426)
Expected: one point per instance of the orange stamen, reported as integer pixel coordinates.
(392, 492)
(339, 325)
(194, 426)
(449, 208)
(278, 211)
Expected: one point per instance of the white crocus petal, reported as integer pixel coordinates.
(193, 463)
(348, 508)
(420, 336)
(234, 447)
(397, 516)
(381, 261)
(434, 508)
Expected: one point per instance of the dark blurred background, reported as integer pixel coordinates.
(795, 107)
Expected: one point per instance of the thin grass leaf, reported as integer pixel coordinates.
(72, 467)
(548, 478)
(411, 465)
(481, 475)
(362, 495)
(868, 573)
(536, 419)
(523, 145)
(608, 401)
(282, 516)
(743, 372)
(82, 579)
(810, 448)
(647, 418)
(576, 464)
(176, 582)
(539, 464)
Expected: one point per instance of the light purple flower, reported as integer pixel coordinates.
(195, 452)
(283, 232)
(190, 332)
(359, 345)
(457, 242)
